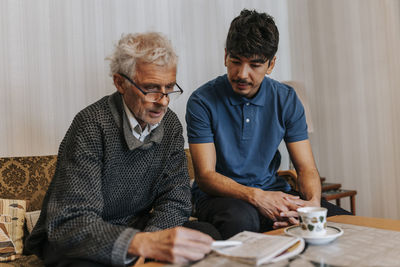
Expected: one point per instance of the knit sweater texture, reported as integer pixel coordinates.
(108, 185)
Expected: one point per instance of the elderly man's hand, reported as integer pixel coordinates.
(177, 245)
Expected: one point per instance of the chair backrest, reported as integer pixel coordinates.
(291, 177)
(26, 178)
(190, 164)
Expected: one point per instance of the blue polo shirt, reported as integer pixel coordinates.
(246, 132)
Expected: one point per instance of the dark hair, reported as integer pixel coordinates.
(252, 33)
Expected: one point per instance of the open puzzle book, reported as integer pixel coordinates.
(259, 248)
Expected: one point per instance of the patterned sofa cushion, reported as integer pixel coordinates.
(12, 217)
(25, 261)
(31, 219)
(26, 178)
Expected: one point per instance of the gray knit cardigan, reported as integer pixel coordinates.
(108, 185)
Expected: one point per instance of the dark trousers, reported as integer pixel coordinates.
(231, 216)
(55, 259)
(75, 263)
(204, 227)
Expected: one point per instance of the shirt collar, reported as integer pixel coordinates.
(121, 120)
(135, 126)
(258, 100)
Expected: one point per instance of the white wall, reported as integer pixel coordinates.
(345, 52)
(52, 57)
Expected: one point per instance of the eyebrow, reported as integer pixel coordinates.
(157, 85)
(235, 57)
(256, 60)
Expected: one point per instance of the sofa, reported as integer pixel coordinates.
(27, 178)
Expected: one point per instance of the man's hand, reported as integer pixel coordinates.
(272, 203)
(291, 217)
(177, 245)
(287, 218)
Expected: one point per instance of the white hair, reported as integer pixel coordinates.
(150, 47)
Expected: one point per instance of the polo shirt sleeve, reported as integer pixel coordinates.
(198, 121)
(294, 118)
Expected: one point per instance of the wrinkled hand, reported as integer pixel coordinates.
(287, 218)
(177, 245)
(272, 203)
(291, 217)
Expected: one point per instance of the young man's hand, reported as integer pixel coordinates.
(291, 217)
(272, 203)
(176, 245)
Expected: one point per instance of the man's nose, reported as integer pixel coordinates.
(243, 71)
(164, 101)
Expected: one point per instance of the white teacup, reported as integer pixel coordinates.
(312, 220)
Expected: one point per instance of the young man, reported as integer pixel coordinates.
(235, 124)
(121, 186)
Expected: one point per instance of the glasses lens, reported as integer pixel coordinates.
(153, 97)
(174, 95)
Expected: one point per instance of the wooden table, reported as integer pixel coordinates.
(379, 223)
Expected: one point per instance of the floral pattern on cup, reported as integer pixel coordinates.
(312, 220)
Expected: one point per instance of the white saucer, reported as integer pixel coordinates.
(332, 232)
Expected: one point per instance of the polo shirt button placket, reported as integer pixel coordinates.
(247, 133)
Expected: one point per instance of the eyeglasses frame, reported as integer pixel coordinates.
(145, 93)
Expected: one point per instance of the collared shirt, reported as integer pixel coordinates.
(137, 130)
(246, 132)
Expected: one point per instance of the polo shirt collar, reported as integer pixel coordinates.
(258, 100)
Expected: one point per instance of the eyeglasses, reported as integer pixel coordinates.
(156, 96)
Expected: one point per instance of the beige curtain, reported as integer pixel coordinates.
(344, 52)
(52, 57)
(347, 55)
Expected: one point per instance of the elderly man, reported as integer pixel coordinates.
(121, 185)
(235, 124)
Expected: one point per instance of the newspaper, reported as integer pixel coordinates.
(257, 248)
(358, 246)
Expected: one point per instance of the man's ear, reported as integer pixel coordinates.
(226, 57)
(271, 65)
(118, 82)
